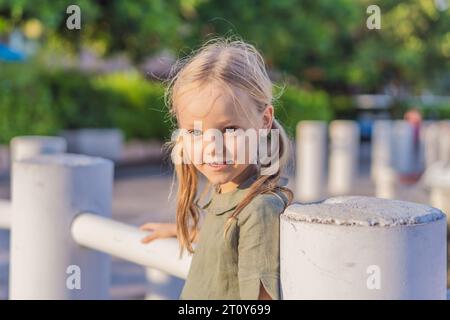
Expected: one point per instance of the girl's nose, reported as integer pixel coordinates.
(214, 149)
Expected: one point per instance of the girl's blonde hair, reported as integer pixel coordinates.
(235, 65)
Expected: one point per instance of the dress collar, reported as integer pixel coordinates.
(220, 203)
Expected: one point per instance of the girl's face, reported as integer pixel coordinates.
(209, 113)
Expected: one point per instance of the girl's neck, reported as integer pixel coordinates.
(233, 184)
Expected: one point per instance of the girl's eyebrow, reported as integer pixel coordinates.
(227, 123)
(218, 125)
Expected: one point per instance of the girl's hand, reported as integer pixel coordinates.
(160, 230)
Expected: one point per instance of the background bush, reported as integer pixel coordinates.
(40, 101)
(26, 104)
(139, 108)
(297, 104)
(43, 102)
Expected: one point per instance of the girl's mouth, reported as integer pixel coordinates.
(218, 165)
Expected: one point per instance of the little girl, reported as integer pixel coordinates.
(224, 88)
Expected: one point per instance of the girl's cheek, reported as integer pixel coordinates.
(192, 150)
(247, 150)
(230, 149)
(241, 150)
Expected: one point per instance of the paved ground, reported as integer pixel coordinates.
(142, 194)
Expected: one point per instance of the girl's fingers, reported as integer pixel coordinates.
(149, 238)
(148, 226)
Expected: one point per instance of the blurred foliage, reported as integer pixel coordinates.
(295, 104)
(25, 103)
(323, 43)
(138, 27)
(76, 103)
(327, 43)
(44, 101)
(435, 110)
(322, 47)
(140, 110)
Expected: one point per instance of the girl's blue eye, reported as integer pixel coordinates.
(231, 130)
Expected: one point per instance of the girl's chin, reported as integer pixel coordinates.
(218, 177)
(220, 174)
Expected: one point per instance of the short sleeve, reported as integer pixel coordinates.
(258, 247)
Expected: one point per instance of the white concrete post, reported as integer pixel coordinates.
(403, 147)
(98, 142)
(444, 141)
(28, 146)
(437, 178)
(430, 137)
(440, 197)
(382, 136)
(386, 183)
(48, 191)
(24, 147)
(382, 167)
(5, 214)
(363, 248)
(311, 160)
(344, 156)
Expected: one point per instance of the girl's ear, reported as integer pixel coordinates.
(268, 117)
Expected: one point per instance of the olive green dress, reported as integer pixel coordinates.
(235, 266)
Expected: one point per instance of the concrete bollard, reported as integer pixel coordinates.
(28, 146)
(344, 156)
(23, 147)
(311, 160)
(386, 183)
(98, 142)
(363, 248)
(382, 137)
(5, 214)
(403, 143)
(430, 137)
(382, 164)
(48, 191)
(437, 178)
(444, 141)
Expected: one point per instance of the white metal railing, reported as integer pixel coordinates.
(5, 214)
(123, 241)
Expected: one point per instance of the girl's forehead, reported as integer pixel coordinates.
(213, 104)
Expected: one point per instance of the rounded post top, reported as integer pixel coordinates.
(38, 138)
(363, 211)
(65, 160)
(312, 124)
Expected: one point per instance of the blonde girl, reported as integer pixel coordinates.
(233, 233)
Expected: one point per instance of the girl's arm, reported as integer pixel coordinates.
(258, 249)
(161, 230)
